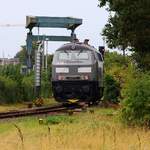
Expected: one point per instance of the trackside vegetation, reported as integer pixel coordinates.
(136, 104)
(127, 29)
(128, 85)
(111, 90)
(15, 87)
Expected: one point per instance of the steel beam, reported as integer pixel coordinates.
(50, 38)
(52, 22)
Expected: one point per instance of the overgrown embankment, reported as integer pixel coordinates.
(129, 86)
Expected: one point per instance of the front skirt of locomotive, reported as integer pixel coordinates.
(85, 91)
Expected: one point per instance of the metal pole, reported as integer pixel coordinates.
(43, 52)
(73, 35)
(29, 50)
(46, 54)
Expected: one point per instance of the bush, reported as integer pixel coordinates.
(8, 90)
(46, 90)
(111, 89)
(21, 87)
(28, 88)
(136, 106)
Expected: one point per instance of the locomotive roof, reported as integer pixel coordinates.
(76, 46)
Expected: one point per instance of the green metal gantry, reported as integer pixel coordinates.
(49, 22)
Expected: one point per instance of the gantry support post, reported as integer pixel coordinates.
(29, 49)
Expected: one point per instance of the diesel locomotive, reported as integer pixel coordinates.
(77, 73)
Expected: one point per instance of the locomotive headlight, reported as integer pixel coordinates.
(62, 70)
(61, 77)
(84, 70)
(85, 77)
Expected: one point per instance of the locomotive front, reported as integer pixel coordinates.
(74, 74)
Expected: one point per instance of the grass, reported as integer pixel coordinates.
(94, 130)
(8, 107)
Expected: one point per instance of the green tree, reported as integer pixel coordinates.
(129, 26)
(23, 55)
(115, 59)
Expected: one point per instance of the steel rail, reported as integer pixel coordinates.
(32, 111)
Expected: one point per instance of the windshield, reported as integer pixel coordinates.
(68, 56)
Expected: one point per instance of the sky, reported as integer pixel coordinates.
(15, 12)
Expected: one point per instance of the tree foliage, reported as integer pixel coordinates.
(23, 55)
(129, 26)
(115, 59)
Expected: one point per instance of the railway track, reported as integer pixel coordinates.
(33, 111)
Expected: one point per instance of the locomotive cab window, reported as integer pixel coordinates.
(72, 56)
(81, 56)
(64, 56)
